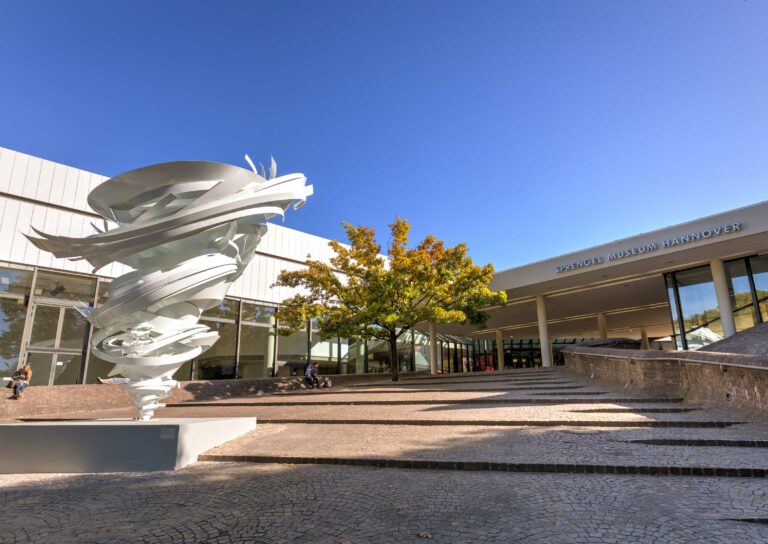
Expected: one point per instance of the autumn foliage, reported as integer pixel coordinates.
(362, 295)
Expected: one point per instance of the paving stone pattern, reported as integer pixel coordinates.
(385, 479)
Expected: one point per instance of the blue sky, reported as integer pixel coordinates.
(525, 128)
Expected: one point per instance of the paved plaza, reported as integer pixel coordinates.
(516, 457)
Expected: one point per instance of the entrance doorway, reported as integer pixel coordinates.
(56, 344)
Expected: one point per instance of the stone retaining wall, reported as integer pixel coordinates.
(727, 380)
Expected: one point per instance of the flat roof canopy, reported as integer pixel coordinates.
(622, 279)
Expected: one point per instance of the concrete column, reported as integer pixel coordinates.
(644, 338)
(723, 298)
(602, 326)
(360, 356)
(500, 349)
(432, 348)
(269, 357)
(546, 348)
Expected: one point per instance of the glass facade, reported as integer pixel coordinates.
(40, 323)
(758, 267)
(696, 319)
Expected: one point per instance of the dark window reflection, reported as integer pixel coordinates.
(15, 282)
(65, 286)
(218, 362)
(226, 309)
(741, 294)
(258, 313)
(759, 266)
(256, 351)
(12, 315)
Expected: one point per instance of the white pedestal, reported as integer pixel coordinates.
(113, 446)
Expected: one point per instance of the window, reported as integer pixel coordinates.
(698, 302)
(741, 294)
(218, 362)
(422, 355)
(759, 267)
(352, 356)
(15, 282)
(292, 354)
(65, 286)
(13, 312)
(257, 349)
(693, 301)
(378, 356)
(257, 313)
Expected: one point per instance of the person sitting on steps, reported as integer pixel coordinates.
(20, 380)
(310, 375)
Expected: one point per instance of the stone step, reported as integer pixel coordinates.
(507, 423)
(646, 410)
(488, 375)
(507, 388)
(701, 443)
(408, 383)
(408, 390)
(516, 446)
(414, 402)
(722, 472)
(555, 393)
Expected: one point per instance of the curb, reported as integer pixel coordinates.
(494, 467)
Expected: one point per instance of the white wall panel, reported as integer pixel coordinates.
(58, 182)
(8, 226)
(19, 241)
(7, 158)
(50, 221)
(80, 201)
(5, 248)
(16, 183)
(63, 221)
(44, 183)
(236, 289)
(32, 178)
(70, 188)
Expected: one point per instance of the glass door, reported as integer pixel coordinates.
(57, 340)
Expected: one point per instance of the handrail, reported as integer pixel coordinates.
(679, 359)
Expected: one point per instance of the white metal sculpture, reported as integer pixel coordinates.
(188, 229)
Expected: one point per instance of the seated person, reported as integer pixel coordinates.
(20, 380)
(310, 375)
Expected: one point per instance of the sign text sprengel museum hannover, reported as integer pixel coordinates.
(653, 246)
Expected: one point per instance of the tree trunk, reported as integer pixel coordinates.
(432, 348)
(394, 364)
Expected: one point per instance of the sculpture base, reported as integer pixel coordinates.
(113, 446)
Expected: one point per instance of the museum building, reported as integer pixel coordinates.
(680, 287)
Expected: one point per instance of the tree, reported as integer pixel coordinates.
(363, 295)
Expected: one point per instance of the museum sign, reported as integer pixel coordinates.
(625, 252)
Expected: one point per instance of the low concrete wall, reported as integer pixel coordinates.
(717, 379)
(113, 446)
(100, 400)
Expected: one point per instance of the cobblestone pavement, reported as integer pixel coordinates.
(304, 503)
(234, 503)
